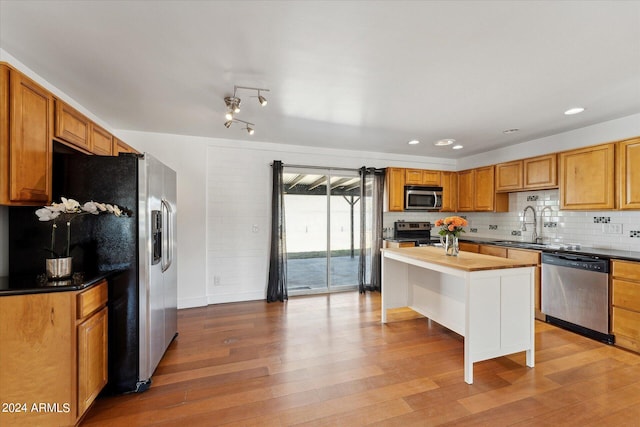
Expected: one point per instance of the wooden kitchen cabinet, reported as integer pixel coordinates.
(629, 173)
(26, 113)
(465, 190)
(540, 172)
(469, 247)
(449, 182)
(493, 250)
(422, 177)
(625, 301)
(54, 351)
(72, 126)
(587, 178)
(395, 181)
(509, 176)
(120, 146)
(533, 257)
(101, 141)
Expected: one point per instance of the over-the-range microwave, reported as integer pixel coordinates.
(420, 198)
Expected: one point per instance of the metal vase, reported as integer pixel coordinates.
(58, 268)
(450, 244)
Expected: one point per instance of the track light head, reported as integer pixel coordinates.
(233, 104)
(228, 123)
(229, 116)
(262, 100)
(250, 130)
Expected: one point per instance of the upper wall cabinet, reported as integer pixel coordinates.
(395, 181)
(26, 112)
(629, 170)
(421, 177)
(476, 191)
(101, 141)
(120, 146)
(535, 173)
(72, 126)
(540, 172)
(587, 178)
(449, 181)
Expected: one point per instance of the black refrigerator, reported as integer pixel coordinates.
(139, 249)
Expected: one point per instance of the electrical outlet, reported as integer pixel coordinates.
(216, 280)
(610, 228)
(255, 228)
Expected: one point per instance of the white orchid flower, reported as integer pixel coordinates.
(70, 205)
(56, 207)
(45, 214)
(100, 206)
(117, 211)
(91, 208)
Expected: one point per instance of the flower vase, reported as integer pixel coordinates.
(450, 244)
(58, 268)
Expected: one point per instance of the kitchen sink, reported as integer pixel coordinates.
(523, 245)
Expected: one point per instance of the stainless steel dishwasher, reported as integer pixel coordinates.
(575, 294)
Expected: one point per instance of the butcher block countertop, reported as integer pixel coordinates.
(466, 261)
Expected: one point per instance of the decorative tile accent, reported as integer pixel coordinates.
(634, 233)
(532, 198)
(493, 227)
(516, 233)
(473, 230)
(601, 219)
(550, 224)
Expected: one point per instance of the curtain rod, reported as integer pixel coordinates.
(318, 167)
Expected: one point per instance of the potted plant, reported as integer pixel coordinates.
(59, 266)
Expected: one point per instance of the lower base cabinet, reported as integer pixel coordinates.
(53, 354)
(625, 301)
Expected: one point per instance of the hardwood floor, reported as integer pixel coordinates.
(327, 360)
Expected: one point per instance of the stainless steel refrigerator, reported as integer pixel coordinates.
(143, 294)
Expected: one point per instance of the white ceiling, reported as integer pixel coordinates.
(362, 75)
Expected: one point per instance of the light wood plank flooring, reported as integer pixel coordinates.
(327, 360)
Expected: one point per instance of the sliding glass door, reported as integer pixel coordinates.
(322, 229)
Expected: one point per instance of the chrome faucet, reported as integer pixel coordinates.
(542, 220)
(534, 234)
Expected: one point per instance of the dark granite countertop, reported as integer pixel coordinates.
(38, 283)
(604, 253)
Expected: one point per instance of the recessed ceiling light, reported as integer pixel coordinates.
(572, 111)
(508, 131)
(457, 147)
(413, 142)
(445, 142)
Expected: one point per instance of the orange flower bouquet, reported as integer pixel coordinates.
(451, 225)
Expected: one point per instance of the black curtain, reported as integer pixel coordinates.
(369, 268)
(277, 285)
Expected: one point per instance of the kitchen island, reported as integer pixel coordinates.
(486, 299)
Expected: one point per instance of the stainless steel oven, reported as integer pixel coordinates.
(419, 198)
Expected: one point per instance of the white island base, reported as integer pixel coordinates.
(488, 300)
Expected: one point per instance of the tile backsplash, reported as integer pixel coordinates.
(598, 229)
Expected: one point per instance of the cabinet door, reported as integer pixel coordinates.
(484, 194)
(120, 146)
(395, 180)
(465, 190)
(587, 178)
(541, 172)
(449, 191)
(413, 176)
(92, 358)
(493, 250)
(531, 256)
(30, 114)
(469, 247)
(509, 176)
(629, 156)
(72, 126)
(101, 141)
(431, 178)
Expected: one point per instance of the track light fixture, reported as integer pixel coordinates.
(233, 106)
(248, 126)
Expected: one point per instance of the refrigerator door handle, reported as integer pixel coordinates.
(167, 237)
